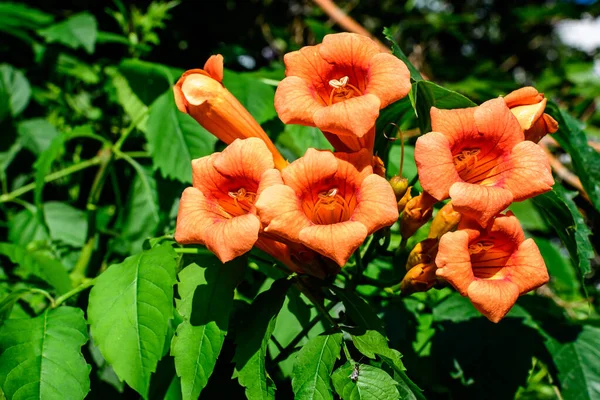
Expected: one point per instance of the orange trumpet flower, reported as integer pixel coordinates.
(218, 210)
(528, 105)
(493, 266)
(478, 157)
(329, 202)
(201, 94)
(339, 86)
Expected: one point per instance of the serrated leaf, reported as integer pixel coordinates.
(79, 30)
(560, 211)
(133, 301)
(255, 95)
(67, 224)
(253, 335)
(37, 264)
(313, 366)
(36, 134)
(397, 51)
(41, 357)
(175, 139)
(14, 91)
(371, 383)
(206, 301)
(148, 80)
(131, 103)
(586, 160)
(426, 94)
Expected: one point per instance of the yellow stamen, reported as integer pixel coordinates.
(342, 90)
(466, 159)
(243, 199)
(479, 247)
(330, 201)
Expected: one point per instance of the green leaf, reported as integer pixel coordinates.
(79, 30)
(528, 216)
(359, 311)
(255, 95)
(71, 66)
(563, 277)
(426, 94)
(148, 80)
(313, 366)
(455, 308)
(67, 224)
(175, 139)
(37, 264)
(14, 91)
(41, 357)
(560, 211)
(586, 160)
(7, 304)
(371, 383)
(24, 228)
(19, 15)
(206, 302)
(133, 301)
(297, 138)
(36, 134)
(397, 51)
(131, 103)
(253, 335)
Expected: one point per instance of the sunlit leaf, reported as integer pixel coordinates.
(67, 224)
(14, 91)
(79, 30)
(371, 383)
(36, 134)
(255, 95)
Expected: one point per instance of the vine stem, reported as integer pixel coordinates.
(61, 299)
(51, 177)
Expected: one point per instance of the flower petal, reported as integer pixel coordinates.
(354, 167)
(529, 114)
(311, 169)
(281, 213)
(204, 175)
(454, 262)
(435, 164)
(376, 204)
(493, 298)
(457, 125)
(196, 214)
(230, 238)
(510, 228)
(527, 268)
(336, 241)
(269, 178)
(214, 67)
(482, 203)
(244, 159)
(348, 49)
(354, 117)
(498, 125)
(526, 173)
(551, 124)
(523, 96)
(388, 78)
(296, 101)
(308, 65)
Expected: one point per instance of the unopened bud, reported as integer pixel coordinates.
(404, 200)
(444, 221)
(400, 186)
(423, 253)
(420, 278)
(417, 212)
(378, 166)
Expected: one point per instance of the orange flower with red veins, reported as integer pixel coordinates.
(528, 105)
(218, 210)
(339, 86)
(201, 94)
(492, 267)
(478, 157)
(330, 202)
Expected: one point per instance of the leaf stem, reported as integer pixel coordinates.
(86, 284)
(46, 294)
(51, 177)
(187, 250)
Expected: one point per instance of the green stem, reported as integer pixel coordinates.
(86, 284)
(358, 271)
(51, 177)
(46, 294)
(128, 131)
(187, 250)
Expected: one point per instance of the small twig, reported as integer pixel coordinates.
(86, 284)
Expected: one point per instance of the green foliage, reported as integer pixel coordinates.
(41, 357)
(371, 383)
(79, 30)
(133, 301)
(15, 91)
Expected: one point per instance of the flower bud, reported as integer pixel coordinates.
(444, 221)
(417, 212)
(528, 106)
(423, 253)
(378, 166)
(420, 278)
(400, 186)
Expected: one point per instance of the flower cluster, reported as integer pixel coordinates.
(314, 213)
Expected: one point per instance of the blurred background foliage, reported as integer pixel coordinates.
(91, 70)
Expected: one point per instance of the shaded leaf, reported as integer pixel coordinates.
(24, 228)
(148, 80)
(297, 138)
(7, 303)
(206, 300)
(14, 91)
(313, 366)
(41, 357)
(133, 301)
(66, 223)
(255, 95)
(371, 383)
(359, 311)
(79, 30)
(397, 51)
(36, 134)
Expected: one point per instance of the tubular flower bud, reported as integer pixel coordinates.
(329, 202)
(493, 266)
(218, 210)
(423, 253)
(417, 212)
(400, 186)
(478, 157)
(419, 278)
(528, 105)
(201, 94)
(446, 219)
(339, 86)
(404, 200)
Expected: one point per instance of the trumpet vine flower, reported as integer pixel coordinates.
(528, 105)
